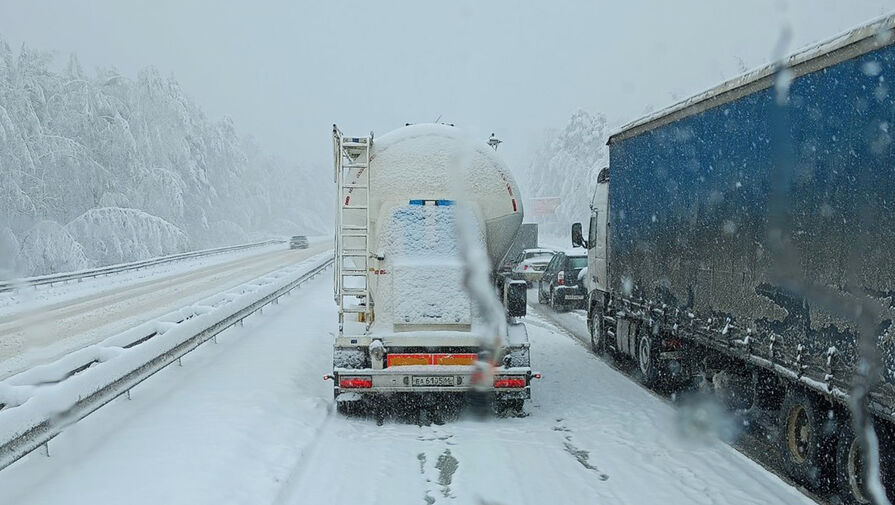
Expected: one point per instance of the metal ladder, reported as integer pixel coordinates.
(352, 244)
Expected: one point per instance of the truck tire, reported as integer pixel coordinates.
(850, 468)
(541, 299)
(597, 335)
(647, 360)
(346, 409)
(807, 441)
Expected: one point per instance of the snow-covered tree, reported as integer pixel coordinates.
(48, 247)
(71, 143)
(115, 235)
(566, 167)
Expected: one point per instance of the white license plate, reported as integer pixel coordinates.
(574, 297)
(434, 380)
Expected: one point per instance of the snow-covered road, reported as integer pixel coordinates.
(250, 421)
(39, 332)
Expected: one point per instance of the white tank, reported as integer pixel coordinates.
(432, 163)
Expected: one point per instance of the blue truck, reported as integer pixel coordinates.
(746, 242)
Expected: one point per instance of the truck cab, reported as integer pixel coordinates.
(597, 242)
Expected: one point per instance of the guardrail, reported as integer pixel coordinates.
(83, 382)
(123, 267)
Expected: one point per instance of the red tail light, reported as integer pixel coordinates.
(524, 267)
(509, 382)
(672, 343)
(561, 279)
(356, 382)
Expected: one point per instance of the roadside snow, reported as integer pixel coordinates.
(250, 421)
(62, 319)
(35, 296)
(56, 389)
(591, 436)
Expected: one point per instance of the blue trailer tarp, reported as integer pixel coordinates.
(711, 212)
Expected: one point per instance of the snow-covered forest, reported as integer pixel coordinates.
(566, 167)
(101, 168)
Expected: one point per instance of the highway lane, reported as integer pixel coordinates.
(44, 333)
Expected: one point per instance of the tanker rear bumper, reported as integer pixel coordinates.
(423, 380)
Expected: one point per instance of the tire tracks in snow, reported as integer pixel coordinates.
(580, 455)
(309, 453)
(441, 463)
(749, 446)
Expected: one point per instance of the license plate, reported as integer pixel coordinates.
(434, 380)
(574, 297)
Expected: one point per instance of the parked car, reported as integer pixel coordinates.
(298, 242)
(560, 285)
(530, 264)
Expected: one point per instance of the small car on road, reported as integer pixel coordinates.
(560, 286)
(530, 264)
(298, 242)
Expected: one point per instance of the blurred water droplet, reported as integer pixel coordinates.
(871, 68)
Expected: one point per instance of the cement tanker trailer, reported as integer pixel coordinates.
(408, 326)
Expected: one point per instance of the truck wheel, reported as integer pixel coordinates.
(344, 408)
(850, 468)
(541, 299)
(646, 359)
(806, 440)
(597, 336)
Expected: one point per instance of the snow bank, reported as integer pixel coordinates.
(48, 248)
(115, 235)
(53, 389)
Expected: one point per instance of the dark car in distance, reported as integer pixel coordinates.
(560, 286)
(298, 242)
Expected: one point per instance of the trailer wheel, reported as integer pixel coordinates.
(646, 359)
(850, 468)
(597, 335)
(346, 409)
(807, 442)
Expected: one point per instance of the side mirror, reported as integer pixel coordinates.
(577, 237)
(515, 298)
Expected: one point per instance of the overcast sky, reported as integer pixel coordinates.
(286, 70)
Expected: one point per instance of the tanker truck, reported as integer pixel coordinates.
(744, 238)
(407, 325)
